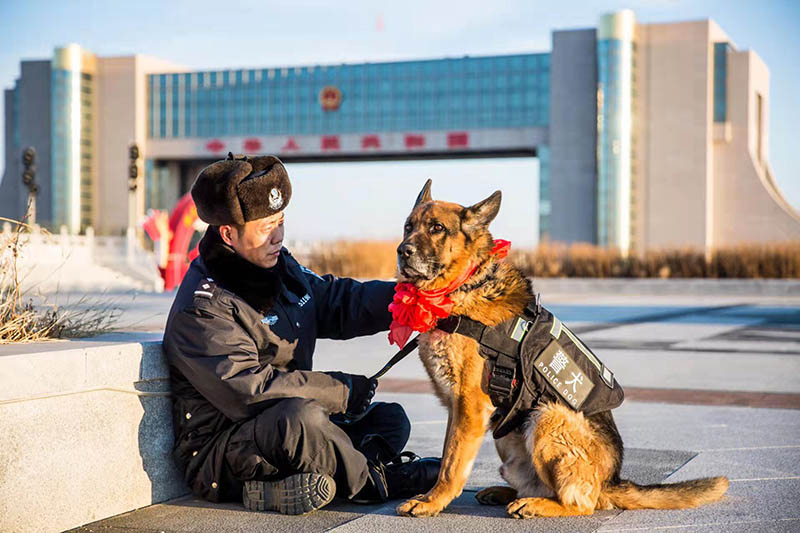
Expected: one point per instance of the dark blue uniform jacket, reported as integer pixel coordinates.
(228, 362)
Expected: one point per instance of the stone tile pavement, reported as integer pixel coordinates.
(758, 449)
(714, 390)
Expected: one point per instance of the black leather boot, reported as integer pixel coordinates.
(399, 478)
(296, 494)
(409, 478)
(376, 449)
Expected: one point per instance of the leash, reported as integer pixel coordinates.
(346, 419)
(400, 355)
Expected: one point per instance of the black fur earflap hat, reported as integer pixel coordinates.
(240, 189)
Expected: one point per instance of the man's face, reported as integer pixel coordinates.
(259, 241)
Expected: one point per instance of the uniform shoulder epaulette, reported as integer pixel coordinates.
(205, 289)
(310, 272)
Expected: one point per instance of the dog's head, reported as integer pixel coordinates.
(441, 239)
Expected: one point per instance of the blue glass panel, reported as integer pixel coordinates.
(502, 91)
(720, 81)
(162, 107)
(150, 110)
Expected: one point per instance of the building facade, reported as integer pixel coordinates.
(647, 135)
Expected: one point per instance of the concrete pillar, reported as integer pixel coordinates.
(615, 36)
(573, 137)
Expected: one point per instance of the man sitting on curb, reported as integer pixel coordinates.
(252, 420)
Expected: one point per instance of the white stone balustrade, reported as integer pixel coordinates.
(48, 262)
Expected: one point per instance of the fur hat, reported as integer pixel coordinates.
(240, 189)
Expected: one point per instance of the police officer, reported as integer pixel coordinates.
(252, 420)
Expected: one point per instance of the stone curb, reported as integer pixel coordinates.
(85, 434)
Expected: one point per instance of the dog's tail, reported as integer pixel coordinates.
(682, 495)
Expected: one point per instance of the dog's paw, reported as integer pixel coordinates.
(523, 508)
(496, 495)
(417, 506)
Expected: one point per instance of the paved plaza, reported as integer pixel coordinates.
(712, 385)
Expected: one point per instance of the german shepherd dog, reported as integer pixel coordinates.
(559, 462)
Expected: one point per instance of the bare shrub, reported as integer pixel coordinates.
(22, 321)
(759, 260)
(588, 261)
(355, 259)
(780, 260)
(546, 261)
(671, 263)
(377, 259)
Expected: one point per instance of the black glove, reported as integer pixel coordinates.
(362, 389)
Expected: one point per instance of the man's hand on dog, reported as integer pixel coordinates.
(362, 390)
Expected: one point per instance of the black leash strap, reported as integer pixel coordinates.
(345, 418)
(404, 351)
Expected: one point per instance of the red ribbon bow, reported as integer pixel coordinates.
(501, 249)
(417, 310)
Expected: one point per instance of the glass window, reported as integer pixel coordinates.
(501, 91)
(162, 108)
(151, 113)
(720, 81)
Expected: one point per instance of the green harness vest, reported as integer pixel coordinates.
(549, 360)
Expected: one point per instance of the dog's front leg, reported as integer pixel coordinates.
(466, 428)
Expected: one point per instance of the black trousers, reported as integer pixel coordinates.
(297, 436)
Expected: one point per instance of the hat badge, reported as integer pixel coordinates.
(275, 199)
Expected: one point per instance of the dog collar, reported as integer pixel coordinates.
(418, 310)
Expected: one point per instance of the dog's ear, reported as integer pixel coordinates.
(482, 213)
(424, 194)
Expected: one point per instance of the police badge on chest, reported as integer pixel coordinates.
(270, 319)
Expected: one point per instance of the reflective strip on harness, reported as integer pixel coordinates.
(589, 355)
(555, 329)
(521, 327)
(558, 327)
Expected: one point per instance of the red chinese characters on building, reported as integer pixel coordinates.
(458, 139)
(414, 141)
(251, 145)
(330, 142)
(370, 141)
(215, 145)
(290, 145)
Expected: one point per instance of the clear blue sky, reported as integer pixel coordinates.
(236, 33)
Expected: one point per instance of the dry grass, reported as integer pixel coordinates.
(22, 321)
(376, 259)
(355, 259)
(779, 260)
(776, 261)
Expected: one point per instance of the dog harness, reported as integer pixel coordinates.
(534, 359)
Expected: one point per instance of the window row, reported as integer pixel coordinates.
(398, 88)
(298, 126)
(399, 70)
